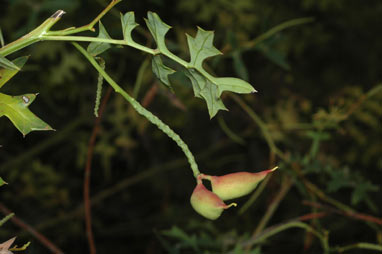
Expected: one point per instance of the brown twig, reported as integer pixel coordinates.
(351, 214)
(149, 96)
(87, 205)
(40, 237)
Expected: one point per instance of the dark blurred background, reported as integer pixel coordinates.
(319, 101)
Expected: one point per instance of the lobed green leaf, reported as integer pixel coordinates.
(201, 47)
(128, 25)
(16, 109)
(158, 29)
(96, 48)
(161, 71)
(207, 90)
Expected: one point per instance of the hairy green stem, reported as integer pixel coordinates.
(144, 112)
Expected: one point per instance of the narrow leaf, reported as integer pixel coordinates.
(161, 71)
(128, 25)
(16, 109)
(1, 39)
(96, 48)
(7, 74)
(233, 85)
(5, 63)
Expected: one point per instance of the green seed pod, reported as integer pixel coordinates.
(236, 185)
(207, 203)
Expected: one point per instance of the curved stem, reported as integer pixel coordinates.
(144, 112)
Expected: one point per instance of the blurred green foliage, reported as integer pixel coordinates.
(319, 102)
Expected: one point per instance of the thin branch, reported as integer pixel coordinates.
(40, 237)
(365, 246)
(351, 214)
(90, 26)
(92, 141)
(263, 127)
(294, 223)
(285, 186)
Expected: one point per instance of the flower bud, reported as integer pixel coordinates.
(236, 185)
(207, 203)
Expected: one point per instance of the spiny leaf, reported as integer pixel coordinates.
(204, 88)
(7, 74)
(201, 47)
(158, 29)
(16, 109)
(96, 48)
(161, 71)
(5, 63)
(128, 24)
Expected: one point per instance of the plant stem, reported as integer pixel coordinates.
(293, 224)
(366, 246)
(261, 124)
(144, 112)
(73, 30)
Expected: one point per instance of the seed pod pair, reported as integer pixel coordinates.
(210, 203)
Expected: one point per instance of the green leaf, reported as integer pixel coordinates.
(2, 182)
(16, 109)
(96, 48)
(128, 24)
(158, 29)
(161, 71)
(204, 88)
(201, 47)
(5, 63)
(233, 85)
(7, 74)
(361, 191)
(179, 234)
